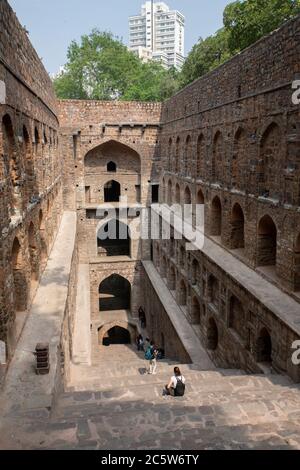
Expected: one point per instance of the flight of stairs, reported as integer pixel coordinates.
(114, 404)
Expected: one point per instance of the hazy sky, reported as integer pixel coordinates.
(53, 24)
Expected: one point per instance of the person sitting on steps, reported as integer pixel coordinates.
(176, 386)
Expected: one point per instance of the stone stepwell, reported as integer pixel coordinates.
(114, 404)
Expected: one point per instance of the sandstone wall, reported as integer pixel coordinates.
(231, 142)
(30, 184)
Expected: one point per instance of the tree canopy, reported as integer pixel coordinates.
(101, 67)
(245, 21)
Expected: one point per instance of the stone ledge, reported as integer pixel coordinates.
(44, 324)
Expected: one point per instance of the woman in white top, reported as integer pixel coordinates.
(172, 388)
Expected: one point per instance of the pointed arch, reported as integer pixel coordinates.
(237, 235)
(212, 335)
(112, 191)
(269, 163)
(113, 239)
(216, 217)
(114, 293)
(187, 196)
(267, 242)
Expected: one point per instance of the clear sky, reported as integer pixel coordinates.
(53, 24)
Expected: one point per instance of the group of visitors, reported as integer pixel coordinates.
(176, 386)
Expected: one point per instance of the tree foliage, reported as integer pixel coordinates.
(102, 68)
(205, 56)
(245, 21)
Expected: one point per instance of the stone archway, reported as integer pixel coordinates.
(116, 332)
(101, 165)
(216, 217)
(264, 346)
(267, 242)
(212, 335)
(237, 235)
(112, 191)
(114, 293)
(113, 239)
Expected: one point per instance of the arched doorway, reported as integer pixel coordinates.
(196, 312)
(116, 335)
(112, 191)
(268, 168)
(200, 197)
(216, 217)
(113, 239)
(267, 242)
(212, 335)
(20, 281)
(187, 196)
(237, 238)
(111, 167)
(236, 316)
(182, 294)
(114, 293)
(264, 347)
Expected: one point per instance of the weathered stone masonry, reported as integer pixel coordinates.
(230, 142)
(30, 184)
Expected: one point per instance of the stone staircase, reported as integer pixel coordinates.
(114, 405)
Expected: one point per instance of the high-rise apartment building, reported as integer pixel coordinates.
(158, 34)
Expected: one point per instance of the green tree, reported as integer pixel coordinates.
(205, 56)
(249, 20)
(102, 68)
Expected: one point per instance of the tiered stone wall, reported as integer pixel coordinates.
(30, 185)
(93, 134)
(231, 142)
(86, 126)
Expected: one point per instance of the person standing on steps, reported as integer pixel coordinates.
(176, 386)
(149, 355)
(153, 362)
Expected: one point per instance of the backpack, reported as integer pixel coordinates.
(180, 388)
(149, 353)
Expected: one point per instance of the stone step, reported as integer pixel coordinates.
(266, 436)
(280, 435)
(146, 425)
(205, 380)
(120, 401)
